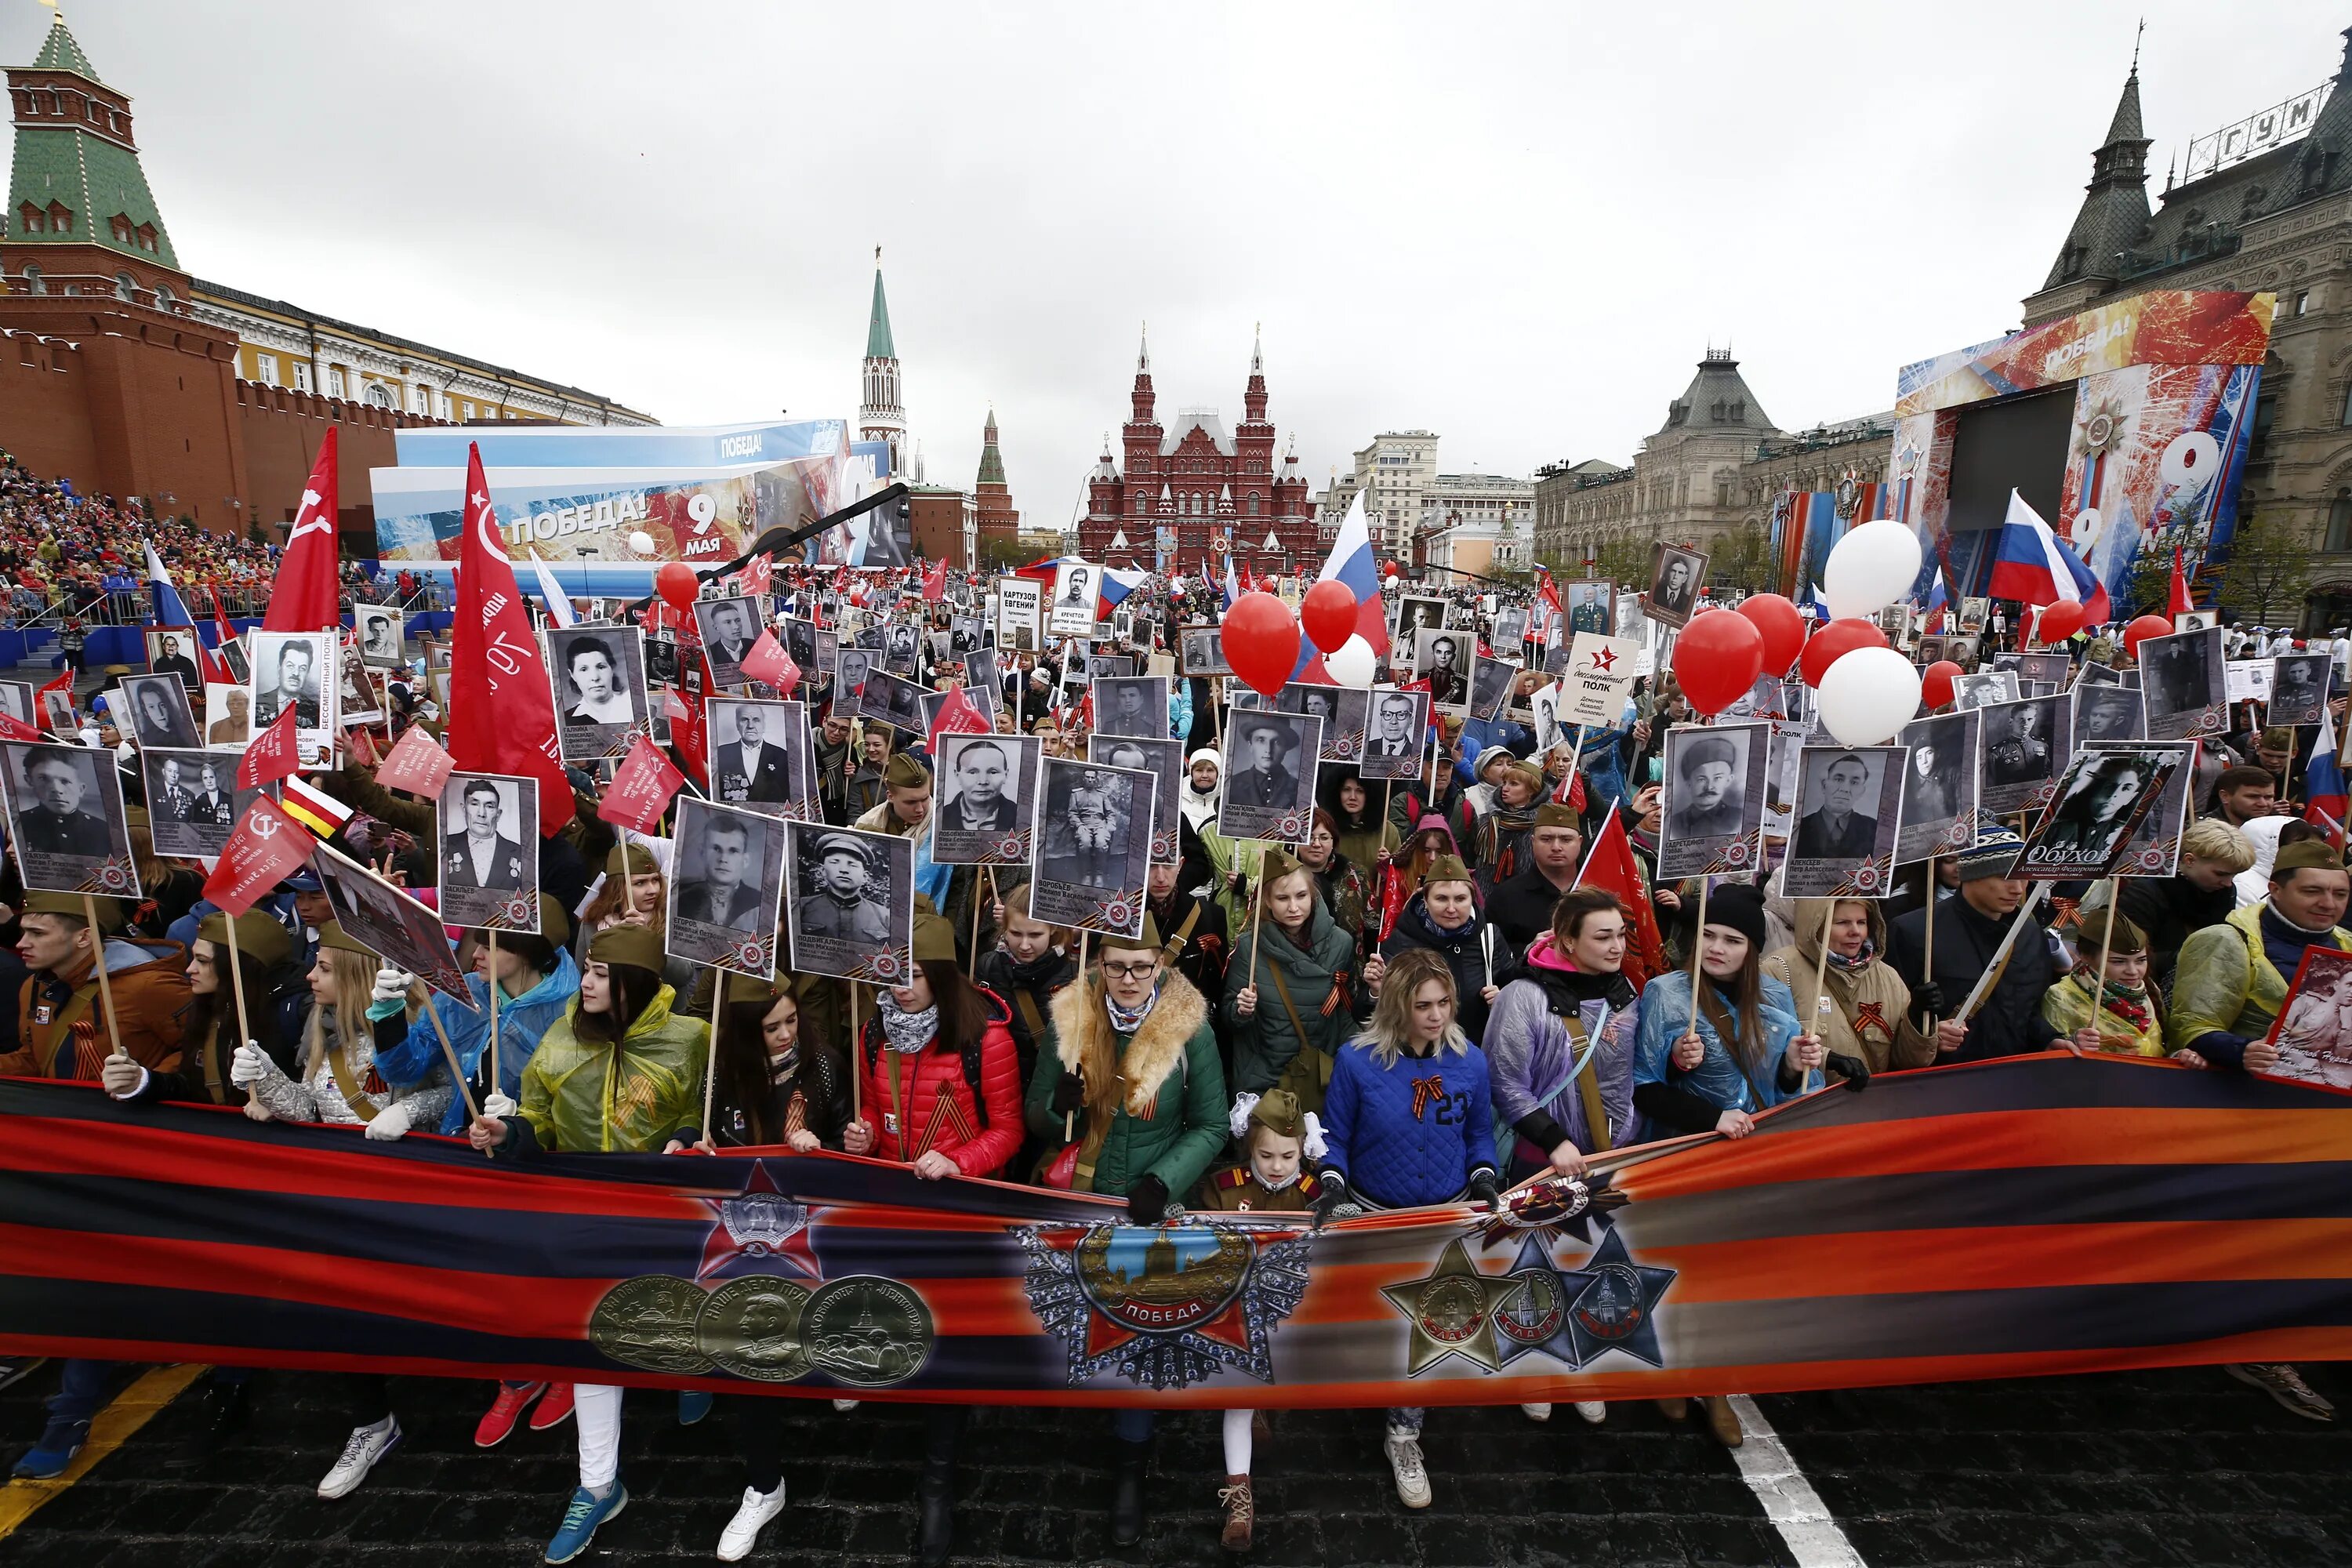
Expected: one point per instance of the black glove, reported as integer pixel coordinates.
(1929, 999)
(1146, 1201)
(1482, 1187)
(1331, 1191)
(1854, 1069)
(1069, 1094)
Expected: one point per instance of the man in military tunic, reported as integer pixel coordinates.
(844, 905)
(54, 822)
(1710, 801)
(2018, 754)
(1262, 777)
(294, 662)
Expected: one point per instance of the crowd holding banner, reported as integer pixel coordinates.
(1128, 989)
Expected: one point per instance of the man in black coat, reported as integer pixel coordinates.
(1969, 927)
(1522, 906)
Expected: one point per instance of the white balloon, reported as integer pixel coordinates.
(1872, 567)
(641, 542)
(1867, 696)
(1351, 663)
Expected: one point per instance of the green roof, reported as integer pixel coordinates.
(61, 52)
(877, 330)
(992, 461)
(94, 176)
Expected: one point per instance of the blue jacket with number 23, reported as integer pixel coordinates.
(1410, 1132)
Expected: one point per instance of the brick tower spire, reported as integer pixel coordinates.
(994, 517)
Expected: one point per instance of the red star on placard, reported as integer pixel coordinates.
(764, 1226)
(1604, 658)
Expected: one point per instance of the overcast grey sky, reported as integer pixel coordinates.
(1518, 226)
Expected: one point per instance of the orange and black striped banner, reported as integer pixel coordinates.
(2038, 1215)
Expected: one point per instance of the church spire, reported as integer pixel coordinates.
(1143, 350)
(878, 325)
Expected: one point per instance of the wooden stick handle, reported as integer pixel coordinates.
(1698, 939)
(236, 978)
(457, 1069)
(494, 1081)
(711, 1069)
(107, 1017)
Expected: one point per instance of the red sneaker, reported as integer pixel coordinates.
(499, 1424)
(554, 1409)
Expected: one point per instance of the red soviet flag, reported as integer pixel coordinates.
(768, 663)
(1612, 868)
(640, 788)
(757, 574)
(935, 582)
(415, 764)
(959, 715)
(267, 848)
(501, 708)
(305, 598)
(272, 754)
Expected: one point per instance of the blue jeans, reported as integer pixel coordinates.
(81, 1391)
(1131, 1425)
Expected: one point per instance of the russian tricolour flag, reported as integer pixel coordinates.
(1351, 565)
(1117, 584)
(2322, 784)
(170, 610)
(2031, 566)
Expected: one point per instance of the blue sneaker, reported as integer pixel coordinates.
(60, 1441)
(693, 1404)
(586, 1511)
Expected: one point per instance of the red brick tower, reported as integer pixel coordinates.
(991, 497)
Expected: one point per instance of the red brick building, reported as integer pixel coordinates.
(1189, 491)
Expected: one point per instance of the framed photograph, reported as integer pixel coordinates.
(2055, 667)
(66, 818)
(967, 634)
(193, 803)
(2299, 683)
(1414, 614)
(986, 814)
(852, 899)
(2025, 745)
(763, 757)
(16, 702)
(235, 656)
(1894, 621)
(886, 699)
(1201, 650)
(800, 646)
(1396, 747)
(2153, 848)
(357, 701)
(1984, 688)
(2106, 712)
(1490, 687)
(1133, 705)
(1974, 615)
(1020, 615)
(2184, 686)
(2313, 1030)
(57, 714)
(1930, 650)
(390, 924)
(159, 715)
(1510, 628)
(1077, 587)
(2196, 621)
(1163, 759)
(1714, 800)
(600, 700)
(851, 665)
(983, 673)
(2084, 831)
(1589, 608)
(1270, 775)
(1109, 666)
(228, 716)
(1094, 843)
(295, 669)
(1964, 651)
(727, 879)
(171, 650)
(1849, 812)
(828, 654)
(902, 649)
(1443, 659)
(1122, 626)
(729, 629)
(487, 825)
(1676, 575)
(379, 630)
(1344, 711)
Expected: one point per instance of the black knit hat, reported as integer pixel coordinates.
(1740, 907)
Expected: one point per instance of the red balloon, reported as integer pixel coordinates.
(1833, 642)
(1328, 615)
(2061, 621)
(2143, 628)
(1782, 625)
(1717, 658)
(1261, 642)
(1936, 682)
(677, 583)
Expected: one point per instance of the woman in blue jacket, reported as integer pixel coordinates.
(1408, 1120)
(1709, 1070)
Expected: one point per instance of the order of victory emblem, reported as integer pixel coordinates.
(1609, 1302)
(1164, 1305)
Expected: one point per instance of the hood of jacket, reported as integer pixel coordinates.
(1806, 916)
(1546, 966)
(1153, 1052)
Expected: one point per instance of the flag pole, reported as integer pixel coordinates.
(2107, 950)
(237, 979)
(494, 1081)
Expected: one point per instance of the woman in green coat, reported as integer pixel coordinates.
(1295, 984)
(1131, 1076)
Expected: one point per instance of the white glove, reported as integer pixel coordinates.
(122, 1077)
(497, 1104)
(392, 983)
(250, 1065)
(389, 1122)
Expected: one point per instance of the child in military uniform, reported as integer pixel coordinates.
(1276, 1141)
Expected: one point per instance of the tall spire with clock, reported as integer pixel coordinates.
(880, 416)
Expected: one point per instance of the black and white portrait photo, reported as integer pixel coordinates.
(1414, 614)
(2104, 711)
(1109, 666)
(2153, 848)
(1163, 759)
(1939, 786)
(1676, 577)
(886, 699)
(296, 670)
(1398, 731)
(17, 700)
(983, 672)
(851, 667)
(1973, 614)
(1071, 610)
(171, 650)
(902, 649)
(1510, 629)
(761, 754)
(1848, 816)
(490, 851)
(1983, 688)
(1490, 687)
(986, 810)
(1443, 659)
(2299, 687)
(800, 646)
(2194, 621)
(729, 627)
(1343, 710)
(160, 714)
(390, 923)
(1094, 843)
(1714, 800)
(1201, 650)
(358, 700)
(2184, 686)
(599, 689)
(2087, 826)
(66, 818)
(967, 634)
(2024, 746)
(726, 883)
(378, 629)
(1270, 775)
(1132, 705)
(193, 801)
(853, 903)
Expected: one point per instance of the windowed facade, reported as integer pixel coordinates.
(265, 369)
(2339, 521)
(302, 375)
(335, 382)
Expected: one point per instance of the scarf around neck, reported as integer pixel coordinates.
(1126, 1021)
(1859, 961)
(906, 1031)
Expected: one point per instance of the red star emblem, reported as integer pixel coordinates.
(1604, 658)
(760, 1224)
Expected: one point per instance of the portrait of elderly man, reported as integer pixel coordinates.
(480, 856)
(1836, 830)
(720, 896)
(1264, 771)
(1392, 729)
(985, 801)
(751, 767)
(1709, 797)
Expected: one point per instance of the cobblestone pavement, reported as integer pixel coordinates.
(2163, 1468)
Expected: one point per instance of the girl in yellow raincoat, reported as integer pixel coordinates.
(2129, 1013)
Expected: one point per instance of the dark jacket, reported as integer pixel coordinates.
(2168, 909)
(1024, 987)
(2010, 1022)
(1464, 951)
(1521, 911)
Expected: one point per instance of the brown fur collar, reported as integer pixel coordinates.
(1156, 1051)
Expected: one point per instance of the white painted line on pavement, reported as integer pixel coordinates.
(1790, 1502)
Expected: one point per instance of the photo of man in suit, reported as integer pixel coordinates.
(293, 687)
(1836, 829)
(1392, 729)
(720, 896)
(984, 800)
(482, 858)
(749, 769)
(1263, 773)
(1674, 589)
(726, 636)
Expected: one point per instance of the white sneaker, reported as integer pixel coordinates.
(365, 1445)
(1411, 1475)
(1536, 1411)
(743, 1532)
(1592, 1410)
